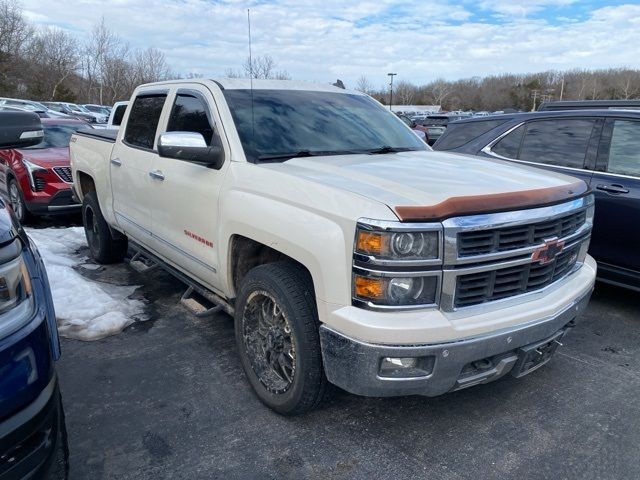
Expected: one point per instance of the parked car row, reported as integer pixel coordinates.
(601, 147)
(94, 114)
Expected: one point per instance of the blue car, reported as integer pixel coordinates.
(602, 147)
(32, 431)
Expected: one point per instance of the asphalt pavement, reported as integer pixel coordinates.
(167, 399)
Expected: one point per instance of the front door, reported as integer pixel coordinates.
(616, 185)
(185, 195)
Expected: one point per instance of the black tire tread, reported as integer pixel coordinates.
(296, 283)
(112, 250)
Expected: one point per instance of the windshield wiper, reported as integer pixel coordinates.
(387, 149)
(304, 153)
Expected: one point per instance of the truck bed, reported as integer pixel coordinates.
(106, 134)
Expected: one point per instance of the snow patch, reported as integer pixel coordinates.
(86, 309)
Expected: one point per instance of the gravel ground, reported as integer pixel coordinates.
(167, 399)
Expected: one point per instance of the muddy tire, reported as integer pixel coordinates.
(104, 247)
(277, 334)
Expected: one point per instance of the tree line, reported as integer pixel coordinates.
(518, 91)
(52, 64)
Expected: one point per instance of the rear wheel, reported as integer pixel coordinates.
(276, 326)
(104, 247)
(17, 201)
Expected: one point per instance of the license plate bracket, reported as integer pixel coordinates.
(533, 356)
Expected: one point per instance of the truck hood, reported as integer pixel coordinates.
(426, 179)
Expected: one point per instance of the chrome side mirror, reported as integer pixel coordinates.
(190, 147)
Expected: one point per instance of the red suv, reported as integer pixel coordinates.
(37, 180)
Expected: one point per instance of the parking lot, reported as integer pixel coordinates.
(167, 398)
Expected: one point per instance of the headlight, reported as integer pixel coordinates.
(388, 243)
(395, 290)
(396, 265)
(31, 169)
(16, 294)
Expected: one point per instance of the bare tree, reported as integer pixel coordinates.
(438, 91)
(364, 85)
(261, 67)
(404, 92)
(15, 32)
(151, 66)
(54, 57)
(232, 73)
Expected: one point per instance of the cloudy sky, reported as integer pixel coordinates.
(326, 39)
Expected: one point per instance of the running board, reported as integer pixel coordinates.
(213, 299)
(141, 263)
(197, 305)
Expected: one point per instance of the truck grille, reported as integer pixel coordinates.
(483, 242)
(476, 288)
(64, 173)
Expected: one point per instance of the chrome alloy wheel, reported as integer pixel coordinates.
(16, 201)
(268, 341)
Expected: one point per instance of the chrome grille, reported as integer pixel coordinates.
(476, 288)
(64, 173)
(482, 242)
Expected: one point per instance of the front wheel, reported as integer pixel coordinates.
(102, 244)
(276, 328)
(17, 201)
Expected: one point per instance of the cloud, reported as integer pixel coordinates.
(325, 40)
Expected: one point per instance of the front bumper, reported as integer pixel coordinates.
(30, 439)
(355, 366)
(60, 202)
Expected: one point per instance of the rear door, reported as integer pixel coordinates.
(616, 184)
(564, 145)
(185, 195)
(131, 164)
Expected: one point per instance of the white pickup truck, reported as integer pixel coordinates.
(347, 251)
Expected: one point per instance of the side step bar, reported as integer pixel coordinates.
(141, 263)
(197, 306)
(215, 302)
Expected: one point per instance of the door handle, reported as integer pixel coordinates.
(613, 188)
(156, 175)
(116, 162)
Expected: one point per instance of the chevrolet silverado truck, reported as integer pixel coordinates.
(347, 251)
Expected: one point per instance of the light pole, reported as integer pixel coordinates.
(391, 75)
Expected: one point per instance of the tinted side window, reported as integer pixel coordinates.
(560, 142)
(458, 134)
(189, 114)
(143, 120)
(624, 154)
(509, 146)
(118, 114)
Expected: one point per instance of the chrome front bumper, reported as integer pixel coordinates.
(355, 366)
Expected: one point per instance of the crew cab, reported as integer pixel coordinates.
(347, 251)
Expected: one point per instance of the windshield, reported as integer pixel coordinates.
(57, 136)
(290, 122)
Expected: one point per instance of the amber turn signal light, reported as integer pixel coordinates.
(366, 287)
(371, 242)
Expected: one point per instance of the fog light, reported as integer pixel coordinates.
(406, 367)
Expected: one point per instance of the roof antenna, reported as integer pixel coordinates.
(253, 121)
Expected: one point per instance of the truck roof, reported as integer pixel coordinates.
(260, 84)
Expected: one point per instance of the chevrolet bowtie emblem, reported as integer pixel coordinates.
(548, 252)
